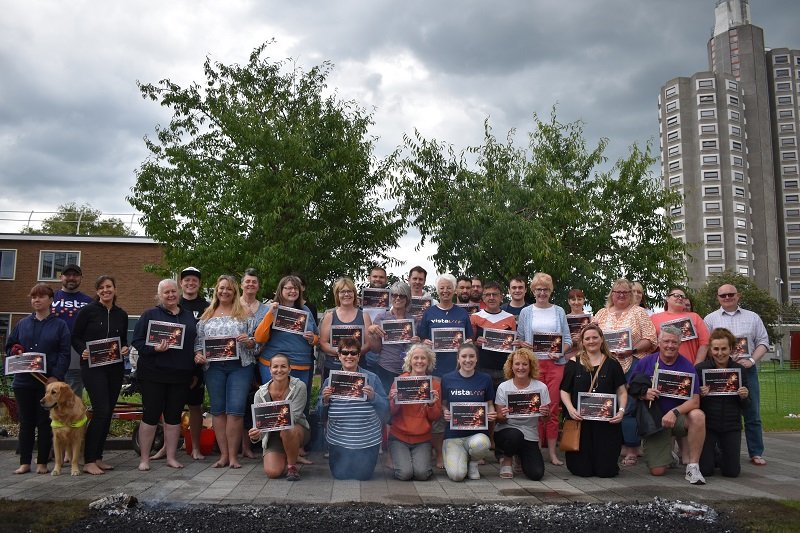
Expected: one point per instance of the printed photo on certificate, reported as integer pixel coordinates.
(290, 320)
(169, 331)
(469, 415)
(685, 325)
(272, 416)
(346, 332)
(104, 351)
(499, 340)
(597, 405)
(398, 331)
(348, 385)
(447, 339)
(722, 381)
(577, 322)
(742, 349)
(523, 404)
(220, 348)
(470, 307)
(374, 298)
(619, 340)
(413, 389)
(26, 362)
(675, 384)
(549, 344)
(419, 304)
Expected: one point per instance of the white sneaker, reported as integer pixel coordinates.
(472, 471)
(693, 475)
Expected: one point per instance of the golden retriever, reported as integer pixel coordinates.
(68, 416)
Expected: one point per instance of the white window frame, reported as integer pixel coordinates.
(13, 253)
(55, 273)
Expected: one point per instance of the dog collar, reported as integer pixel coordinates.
(76, 424)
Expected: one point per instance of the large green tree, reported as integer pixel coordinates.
(498, 210)
(74, 219)
(262, 167)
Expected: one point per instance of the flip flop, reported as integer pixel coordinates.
(758, 460)
(629, 460)
(506, 472)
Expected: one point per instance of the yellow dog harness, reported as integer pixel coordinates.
(76, 424)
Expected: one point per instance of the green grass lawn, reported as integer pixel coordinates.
(780, 396)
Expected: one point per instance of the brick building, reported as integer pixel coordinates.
(28, 259)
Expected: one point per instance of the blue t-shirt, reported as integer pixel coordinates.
(647, 366)
(67, 304)
(436, 317)
(456, 388)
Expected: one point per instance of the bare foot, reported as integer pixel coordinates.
(102, 464)
(174, 464)
(160, 454)
(440, 465)
(235, 465)
(93, 469)
(220, 464)
(197, 456)
(556, 461)
(144, 466)
(41, 469)
(247, 452)
(23, 469)
(303, 461)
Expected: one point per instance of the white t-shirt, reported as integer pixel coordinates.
(528, 426)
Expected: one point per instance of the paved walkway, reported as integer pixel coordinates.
(198, 483)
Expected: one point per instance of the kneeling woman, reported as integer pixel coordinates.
(282, 448)
(520, 436)
(595, 370)
(354, 427)
(463, 448)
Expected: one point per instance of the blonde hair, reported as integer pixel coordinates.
(543, 279)
(239, 312)
(430, 354)
(343, 283)
(620, 281)
(533, 363)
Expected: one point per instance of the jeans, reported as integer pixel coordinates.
(411, 461)
(752, 415)
(103, 384)
(228, 384)
(512, 442)
(350, 463)
(630, 428)
(458, 452)
(74, 379)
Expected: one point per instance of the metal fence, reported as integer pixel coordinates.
(780, 388)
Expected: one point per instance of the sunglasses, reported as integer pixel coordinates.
(349, 352)
(726, 295)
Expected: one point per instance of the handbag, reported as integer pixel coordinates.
(571, 432)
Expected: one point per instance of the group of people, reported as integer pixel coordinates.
(425, 434)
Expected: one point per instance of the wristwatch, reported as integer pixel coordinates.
(676, 412)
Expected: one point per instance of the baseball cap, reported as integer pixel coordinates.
(190, 271)
(74, 268)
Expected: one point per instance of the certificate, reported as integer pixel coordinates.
(220, 348)
(413, 389)
(290, 320)
(673, 384)
(524, 404)
(470, 307)
(742, 349)
(169, 331)
(346, 332)
(348, 385)
(104, 352)
(26, 362)
(469, 415)
(374, 298)
(577, 322)
(447, 339)
(398, 331)
(597, 405)
(548, 344)
(685, 325)
(722, 381)
(272, 416)
(419, 304)
(619, 340)
(499, 340)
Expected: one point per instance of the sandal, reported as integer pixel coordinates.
(506, 472)
(758, 460)
(629, 460)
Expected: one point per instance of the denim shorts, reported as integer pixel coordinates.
(228, 383)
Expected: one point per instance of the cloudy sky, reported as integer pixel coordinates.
(72, 119)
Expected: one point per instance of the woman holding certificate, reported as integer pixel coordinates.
(164, 338)
(414, 407)
(392, 344)
(282, 448)
(354, 428)
(225, 346)
(520, 400)
(635, 337)
(592, 385)
(42, 333)
(346, 319)
(540, 325)
(100, 335)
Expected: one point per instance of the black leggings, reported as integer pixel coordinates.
(512, 442)
(163, 398)
(33, 416)
(103, 384)
(729, 444)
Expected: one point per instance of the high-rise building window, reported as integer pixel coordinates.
(793, 241)
(736, 145)
(714, 222)
(741, 223)
(710, 159)
(784, 100)
(740, 208)
(708, 128)
(677, 226)
(735, 130)
(732, 85)
(744, 271)
(709, 175)
(708, 144)
(675, 165)
(675, 181)
(676, 211)
(737, 161)
(673, 121)
(783, 86)
(713, 238)
(791, 199)
(671, 91)
(789, 169)
(673, 136)
(733, 115)
(787, 127)
(794, 272)
(706, 98)
(794, 257)
(674, 150)
(710, 206)
(708, 113)
(742, 255)
(733, 100)
(780, 60)
(738, 176)
(789, 156)
(705, 83)
(786, 113)
(711, 191)
(714, 270)
(789, 184)
(792, 213)
(782, 73)
(714, 254)
(793, 228)
(738, 192)
(741, 238)
(788, 141)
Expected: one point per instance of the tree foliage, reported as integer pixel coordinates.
(72, 219)
(752, 297)
(259, 168)
(498, 210)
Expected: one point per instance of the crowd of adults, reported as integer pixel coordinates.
(553, 359)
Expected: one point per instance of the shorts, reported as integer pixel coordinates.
(228, 385)
(658, 447)
(275, 443)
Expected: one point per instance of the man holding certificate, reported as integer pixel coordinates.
(654, 379)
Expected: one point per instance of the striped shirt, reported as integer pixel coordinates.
(357, 424)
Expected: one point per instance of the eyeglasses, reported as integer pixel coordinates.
(621, 293)
(346, 291)
(491, 295)
(349, 352)
(726, 295)
(541, 290)
(676, 295)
